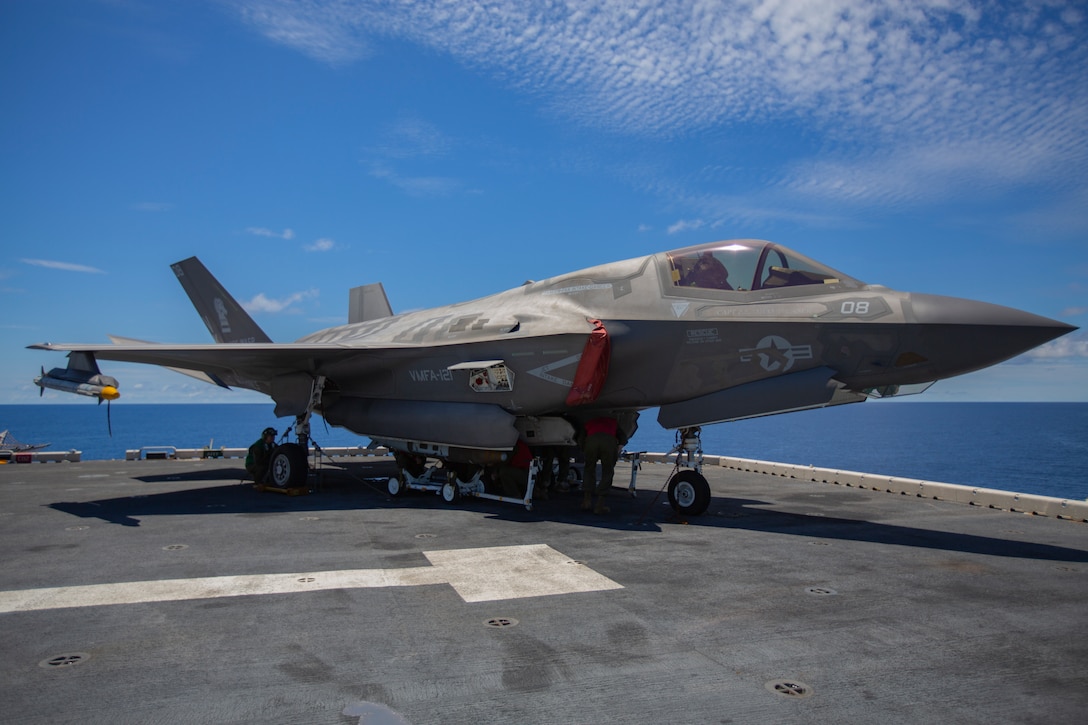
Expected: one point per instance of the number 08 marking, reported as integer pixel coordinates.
(855, 307)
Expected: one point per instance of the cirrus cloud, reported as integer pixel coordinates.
(65, 266)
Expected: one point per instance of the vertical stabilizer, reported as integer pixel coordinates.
(222, 315)
(368, 303)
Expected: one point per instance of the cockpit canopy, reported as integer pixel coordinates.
(746, 265)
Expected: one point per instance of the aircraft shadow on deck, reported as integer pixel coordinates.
(362, 487)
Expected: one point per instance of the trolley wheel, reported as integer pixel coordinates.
(396, 485)
(689, 493)
(451, 492)
(288, 467)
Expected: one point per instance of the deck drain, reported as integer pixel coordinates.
(307, 580)
(175, 547)
(576, 562)
(70, 659)
(820, 591)
(501, 622)
(789, 688)
(426, 536)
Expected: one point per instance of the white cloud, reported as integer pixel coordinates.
(1070, 347)
(262, 232)
(417, 185)
(883, 60)
(321, 245)
(685, 225)
(932, 95)
(406, 142)
(262, 303)
(411, 138)
(66, 266)
(313, 27)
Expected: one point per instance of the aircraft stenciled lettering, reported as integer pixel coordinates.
(221, 311)
(776, 354)
(703, 336)
(430, 375)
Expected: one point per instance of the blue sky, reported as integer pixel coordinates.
(452, 150)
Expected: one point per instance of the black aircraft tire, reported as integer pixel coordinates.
(288, 467)
(689, 493)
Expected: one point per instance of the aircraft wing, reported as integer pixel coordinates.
(266, 357)
(246, 365)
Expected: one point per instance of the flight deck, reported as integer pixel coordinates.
(170, 590)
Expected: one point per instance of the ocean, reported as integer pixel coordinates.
(1039, 448)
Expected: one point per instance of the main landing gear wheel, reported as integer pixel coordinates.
(288, 467)
(689, 493)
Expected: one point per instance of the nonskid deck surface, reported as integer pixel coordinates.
(167, 590)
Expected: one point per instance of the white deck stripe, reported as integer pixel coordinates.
(477, 575)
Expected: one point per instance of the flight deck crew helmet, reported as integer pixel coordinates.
(268, 432)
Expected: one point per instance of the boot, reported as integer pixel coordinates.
(587, 500)
(600, 508)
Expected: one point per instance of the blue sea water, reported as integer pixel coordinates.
(1039, 448)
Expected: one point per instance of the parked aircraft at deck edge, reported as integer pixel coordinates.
(708, 333)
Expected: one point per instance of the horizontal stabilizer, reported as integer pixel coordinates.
(368, 302)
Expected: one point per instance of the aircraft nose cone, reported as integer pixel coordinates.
(959, 335)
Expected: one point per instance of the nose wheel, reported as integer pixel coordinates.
(689, 492)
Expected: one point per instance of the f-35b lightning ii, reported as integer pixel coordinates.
(709, 333)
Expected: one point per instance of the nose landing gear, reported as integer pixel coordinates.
(689, 492)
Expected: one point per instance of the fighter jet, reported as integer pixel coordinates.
(706, 334)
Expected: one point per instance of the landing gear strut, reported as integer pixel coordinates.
(289, 466)
(689, 492)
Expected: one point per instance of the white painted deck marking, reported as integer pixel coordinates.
(477, 575)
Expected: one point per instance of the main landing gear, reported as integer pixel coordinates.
(289, 466)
